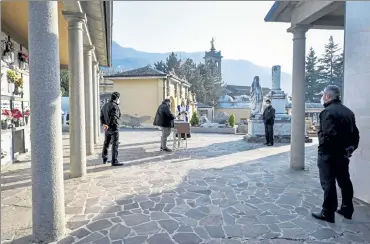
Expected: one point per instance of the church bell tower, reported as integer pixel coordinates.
(213, 56)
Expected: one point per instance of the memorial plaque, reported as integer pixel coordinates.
(6, 148)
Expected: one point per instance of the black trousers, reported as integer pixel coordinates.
(269, 133)
(111, 136)
(334, 169)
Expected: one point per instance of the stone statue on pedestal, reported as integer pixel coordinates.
(213, 43)
(256, 97)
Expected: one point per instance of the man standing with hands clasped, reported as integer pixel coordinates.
(338, 139)
(164, 119)
(109, 118)
(269, 119)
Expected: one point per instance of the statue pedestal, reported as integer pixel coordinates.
(282, 125)
(282, 130)
(256, 130)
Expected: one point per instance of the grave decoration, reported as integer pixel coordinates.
(27, 115)
(19, 86)
(17, 116)
(6, 117)
(23, 60)
(8, 55)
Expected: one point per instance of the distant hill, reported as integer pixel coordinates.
(234, 72)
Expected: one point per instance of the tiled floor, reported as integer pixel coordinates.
(220, 190)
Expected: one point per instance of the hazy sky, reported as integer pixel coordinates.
(238, 28)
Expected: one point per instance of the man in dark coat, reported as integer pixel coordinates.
(338, 139)
(269, 119)
(164, 118)
(109, 118)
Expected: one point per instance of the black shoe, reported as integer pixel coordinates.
(266, 143)
(346, 213)
(166, 149)
(328, 218)
(105, 161)
(117, 164)
(270, 144)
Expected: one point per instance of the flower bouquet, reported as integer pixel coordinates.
(19, 86)
(17, 115)
(23, 60)
(6, 116)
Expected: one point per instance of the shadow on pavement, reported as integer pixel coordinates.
(253, 200)
(133, 156)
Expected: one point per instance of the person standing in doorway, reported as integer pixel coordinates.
(109, 118)
(164, 119)
(338, 139)
(269, 119)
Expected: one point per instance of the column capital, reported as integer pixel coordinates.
(74, 16)
(89, 48)
(299, 31)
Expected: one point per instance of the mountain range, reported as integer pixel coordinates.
(234, 72)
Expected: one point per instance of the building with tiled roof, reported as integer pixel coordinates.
(143, 89)
(146, 71)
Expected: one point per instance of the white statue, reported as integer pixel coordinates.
(256, 97)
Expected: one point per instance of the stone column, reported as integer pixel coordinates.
(99, 75)
(95, 102)
(48, 214)
(356, 89)
(89, 102)
(297, 147)
(276, 73)
(77, 131)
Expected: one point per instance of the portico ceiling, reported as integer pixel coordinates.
(315, 14)
(98, 29)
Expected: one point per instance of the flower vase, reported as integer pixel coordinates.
(16, 123)
(11, 55)
(6, 58)
(17, 90)
(23, 65)
(4, 124)
(11, 87)
(26, 118)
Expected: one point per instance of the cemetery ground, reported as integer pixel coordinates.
(219, 190)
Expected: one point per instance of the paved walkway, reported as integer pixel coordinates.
(220, 190)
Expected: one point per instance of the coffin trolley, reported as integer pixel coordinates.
(180, 127)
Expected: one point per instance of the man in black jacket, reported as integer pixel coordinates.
(164, 118)
(269, 119)
(109, 118)
(338, 139)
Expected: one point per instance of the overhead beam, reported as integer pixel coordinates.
(326, 27)
(309, 11)
(329, 23)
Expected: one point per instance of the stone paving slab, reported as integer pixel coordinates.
(221, 190)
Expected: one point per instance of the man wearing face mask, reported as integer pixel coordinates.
(164, 118)
(338, 139)
(109, 118)
(269, 119)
